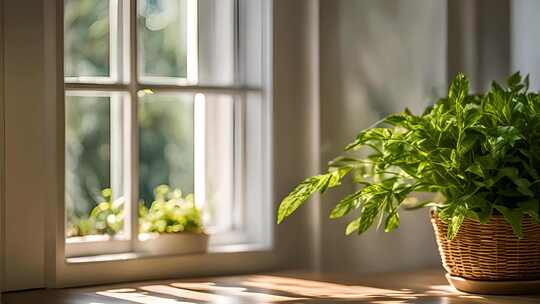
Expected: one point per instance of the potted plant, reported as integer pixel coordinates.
(106, 218)
(172, 224)
(480, 154)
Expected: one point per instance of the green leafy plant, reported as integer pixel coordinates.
(106, 218)
(170, 212)
(481, 153)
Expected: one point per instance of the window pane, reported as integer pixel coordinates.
(525, 42)
(251, 41)
(91, 206)
(162, 26)
(86, 39)
(256, 162)
(219, 143)
(217, 42)
(166, 143)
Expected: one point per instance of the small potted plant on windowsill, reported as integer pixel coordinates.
(480, 154)
(172, 224)
(104, 222)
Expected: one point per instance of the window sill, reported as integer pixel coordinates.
(94, 238)
(133, 266)
(235, 248)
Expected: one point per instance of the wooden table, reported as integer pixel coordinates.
(427, 286)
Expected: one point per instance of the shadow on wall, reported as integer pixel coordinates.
(377, 57)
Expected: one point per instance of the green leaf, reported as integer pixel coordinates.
(514, 80)
(379, 134)
(476, 168)
(346, 161)
(526, 82)
(421, 167)
(479, 208)
(391, 222)
(455, 224)
(346, 205)
(531, 208)
(523, 186)
(352, 226)
(370, 211)
(472, 114)
(459, 88)
(421, 204)
(513, 217)
(396, 119)
(513, 174)
(106, 193)
(505, 137)
(307, 188)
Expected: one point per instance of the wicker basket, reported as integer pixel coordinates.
(490, 252)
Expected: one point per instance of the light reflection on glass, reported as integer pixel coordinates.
(163, 34)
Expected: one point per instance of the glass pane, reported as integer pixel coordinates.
(86, 38)
(91, 206)
(256, 162)
(217, 42)
(251, 39)
(166, 144)
(215, 116)
(525, 42)
(162, 26)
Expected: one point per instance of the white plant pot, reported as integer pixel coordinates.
(172, 243)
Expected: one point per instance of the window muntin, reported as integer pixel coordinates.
(205, 145)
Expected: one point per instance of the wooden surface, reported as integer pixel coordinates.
(427, 286)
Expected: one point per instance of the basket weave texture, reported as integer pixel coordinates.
(490, 251)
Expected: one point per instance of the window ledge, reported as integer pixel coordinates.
(94, 238)
(221, 249)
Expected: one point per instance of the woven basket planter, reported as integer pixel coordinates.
(490, 252)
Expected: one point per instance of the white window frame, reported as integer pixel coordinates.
(127, 80)
(254, 243)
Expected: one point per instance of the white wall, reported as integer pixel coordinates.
(24, 205)
(525, 39)
(479, 40)
(376, 58)
(295, 113)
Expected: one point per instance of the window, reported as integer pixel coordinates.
(164, 93)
